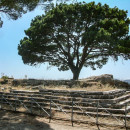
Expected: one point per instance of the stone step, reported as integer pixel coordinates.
(106, 96)
(68, 107)
(40, 95)
(68, 98)
(47, 101)
(23, 91)
(83, 101)
(72, 92)
(93, 114)
(21, 94)
(121, 98)
(63, 99)
(82, 94)
(123, 103)
(53, 96)
(60, 102)
(92, 109)
(58, 96)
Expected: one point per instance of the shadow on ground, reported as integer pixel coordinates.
(20, 121)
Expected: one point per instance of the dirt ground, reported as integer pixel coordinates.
(20, 121)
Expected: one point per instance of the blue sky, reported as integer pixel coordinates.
(11, 63)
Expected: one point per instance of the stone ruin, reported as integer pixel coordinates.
(94, 80)
(104, 79)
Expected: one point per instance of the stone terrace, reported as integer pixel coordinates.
(113, 102)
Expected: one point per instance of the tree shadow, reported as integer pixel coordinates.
(20, 121)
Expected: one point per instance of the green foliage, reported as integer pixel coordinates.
(4, 77)
(77, 35)
(14, 9)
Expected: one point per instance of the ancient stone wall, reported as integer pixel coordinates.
(35, 82)
(94, 80)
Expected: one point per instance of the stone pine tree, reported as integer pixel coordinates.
(75, 36)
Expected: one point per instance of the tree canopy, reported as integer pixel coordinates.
(77, 35)
(14, 9)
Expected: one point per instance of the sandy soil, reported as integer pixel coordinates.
(20, 121)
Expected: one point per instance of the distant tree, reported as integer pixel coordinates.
(77, 35)
(26, 76)
(14, 9)
(4, 77)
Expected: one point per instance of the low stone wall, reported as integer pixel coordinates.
(34, 82)
(71, 83)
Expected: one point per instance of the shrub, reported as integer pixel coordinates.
(4, 77)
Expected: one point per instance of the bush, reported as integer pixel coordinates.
(4, 77)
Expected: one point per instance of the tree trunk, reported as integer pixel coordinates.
(76, 73)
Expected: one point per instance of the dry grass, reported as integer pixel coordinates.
(106, 87)
(7, 88)
(93, 86)
(102, 88)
